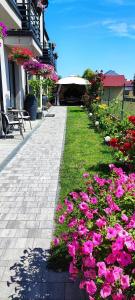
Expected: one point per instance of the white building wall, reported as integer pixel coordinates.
(5, 75)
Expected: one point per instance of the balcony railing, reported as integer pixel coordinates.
(30, 20)
(48, 54)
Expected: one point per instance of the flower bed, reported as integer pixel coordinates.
(20, 55)
(119, 134)
(125, 143)
(99, 235)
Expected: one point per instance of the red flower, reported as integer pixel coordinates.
(113, 142)
(127, 146)
(132, 119)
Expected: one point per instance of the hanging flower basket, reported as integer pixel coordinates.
(46, 70)
(20, 55)
(3, 30)
(33, 67)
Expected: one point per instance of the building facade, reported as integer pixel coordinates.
(25, 20)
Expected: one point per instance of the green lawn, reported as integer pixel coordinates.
(84, 152)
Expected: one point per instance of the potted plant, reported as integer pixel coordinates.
(20, 55)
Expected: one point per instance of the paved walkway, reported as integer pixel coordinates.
(28, 192)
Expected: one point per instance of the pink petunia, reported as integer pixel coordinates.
(111, 233)
(101, 222)
(105, 291)
(89, 262)
(83, 206)
(61, 219)
(94, 200)
(119, 191)
(124, 218)
(125, 284)
(97, 239)
(101, 269)
(87, 247)
(91, 287)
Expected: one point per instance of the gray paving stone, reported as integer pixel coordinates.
(28, 190)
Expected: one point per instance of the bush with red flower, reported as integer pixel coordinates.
(97, 228)
(20, 55)
(125, 144)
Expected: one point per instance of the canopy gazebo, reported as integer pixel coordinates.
(71, 88)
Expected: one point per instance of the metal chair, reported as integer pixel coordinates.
(9, 121)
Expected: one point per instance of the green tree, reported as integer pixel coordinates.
(88, 74)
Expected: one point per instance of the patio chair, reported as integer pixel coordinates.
(24, 115)
(9, 123)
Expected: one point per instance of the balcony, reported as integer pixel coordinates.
(49, 56)
(10, 15)
(29, 34)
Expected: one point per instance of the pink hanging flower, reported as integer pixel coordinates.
(101, 269)
(125, 284)
(105, 291)
(91, 287)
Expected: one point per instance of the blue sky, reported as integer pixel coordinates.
(96, 34)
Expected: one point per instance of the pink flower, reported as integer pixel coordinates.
(56, 241)
(84, 196)
(86, 175)
(105, 291)
(125, 282)
(101, 222)
(90, 274)
(124, 218)
(73, 223)
(74, 195)
(101, 269)
(73, 270)
(118, 297)
(61, 219)
(87, 247)
(94, 200)
(91, 287)
(109, 276)
(111, 233)
(119, 191)
(118, 245)
(70, 207)
(97, 239)
(124, 259)
(83, 206)
(110, 259)
(59, 207)
(89, 262)
(108, 211)
(89, 215)
(82, 284)
(72, 249)
(117, 272)
(82, 230)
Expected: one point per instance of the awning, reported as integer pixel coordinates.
(73, 80)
